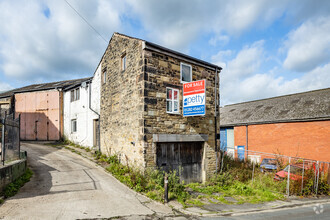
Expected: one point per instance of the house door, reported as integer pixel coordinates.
(185, 158)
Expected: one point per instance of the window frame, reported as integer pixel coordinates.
(74, 126)
(123, 62)
(185, 64)
(75, 94)
(173, 100)
(104, 76)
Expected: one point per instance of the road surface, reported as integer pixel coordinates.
(315, 211)
(68, 186)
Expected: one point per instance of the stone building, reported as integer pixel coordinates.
(296, 125)
(141, 108)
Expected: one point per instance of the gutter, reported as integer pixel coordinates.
(327, 118)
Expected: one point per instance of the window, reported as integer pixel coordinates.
(104, 76)
(73, 125)
(172, 100)
(123, 62)
(185, 73)
(75, 94)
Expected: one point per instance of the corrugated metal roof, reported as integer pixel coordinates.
(306, 106)
(45, 86)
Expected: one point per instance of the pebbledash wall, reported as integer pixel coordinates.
(85, 111)
(133, 103)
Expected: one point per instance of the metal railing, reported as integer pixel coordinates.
(9, 138)
(302, 175)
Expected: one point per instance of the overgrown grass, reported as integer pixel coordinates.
(14, 187)
(151, 182)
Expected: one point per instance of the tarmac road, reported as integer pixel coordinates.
(67, 186)
(315, 211)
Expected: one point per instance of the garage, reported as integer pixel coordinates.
(185, 158)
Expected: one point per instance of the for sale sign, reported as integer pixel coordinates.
(194, 98)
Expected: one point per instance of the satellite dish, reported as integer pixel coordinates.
(84, 84)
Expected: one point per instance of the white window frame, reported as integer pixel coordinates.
(74, 128)
(181, 64)
(75, 94)
(173, 100)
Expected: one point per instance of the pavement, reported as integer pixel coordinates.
(70, 186)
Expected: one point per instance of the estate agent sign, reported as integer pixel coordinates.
(194, 98)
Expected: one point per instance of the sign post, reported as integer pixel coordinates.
(194, 98)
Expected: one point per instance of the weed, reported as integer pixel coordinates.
(11, 189)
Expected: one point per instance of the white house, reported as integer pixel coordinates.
(81, 112)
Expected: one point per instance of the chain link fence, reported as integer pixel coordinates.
(302, 176)
(9, 138)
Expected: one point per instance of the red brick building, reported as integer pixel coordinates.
(296, 125)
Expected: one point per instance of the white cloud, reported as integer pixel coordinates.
(309, 45)
(60, 46)
(242, 80)
(246, 62)
(266, 85)
(219, 39)
(5, 87)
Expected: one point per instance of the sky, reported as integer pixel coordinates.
(266, 48)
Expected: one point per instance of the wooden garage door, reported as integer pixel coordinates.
(186, 158)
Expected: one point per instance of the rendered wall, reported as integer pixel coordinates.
(40, 115)
(80, 111)
(309, 140)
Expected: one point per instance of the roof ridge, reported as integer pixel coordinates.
(275, 97)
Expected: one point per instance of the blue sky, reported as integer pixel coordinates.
(266, 48)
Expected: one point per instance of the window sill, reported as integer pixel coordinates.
(173, 113)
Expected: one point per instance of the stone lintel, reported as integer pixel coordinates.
(180, 137)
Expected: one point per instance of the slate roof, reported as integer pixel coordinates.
(152, 46)
(306, 106)
(45, 86)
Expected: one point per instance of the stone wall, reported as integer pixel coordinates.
(121, 123)
(163, 71)
(133, 103)
(11, 172)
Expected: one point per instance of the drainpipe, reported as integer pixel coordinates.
(90, 107)
(247, 141)
(215, 119)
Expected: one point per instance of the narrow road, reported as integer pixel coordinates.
(315, 211)
(67, 186)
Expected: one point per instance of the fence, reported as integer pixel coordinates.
(9, 138)
(302, 176)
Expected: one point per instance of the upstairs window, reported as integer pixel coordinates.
(123, 62)
(185, 73)
(172, 100)
(75, 94)
(104, 75)
(73, 125)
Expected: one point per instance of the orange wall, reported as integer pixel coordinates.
(309, 140)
